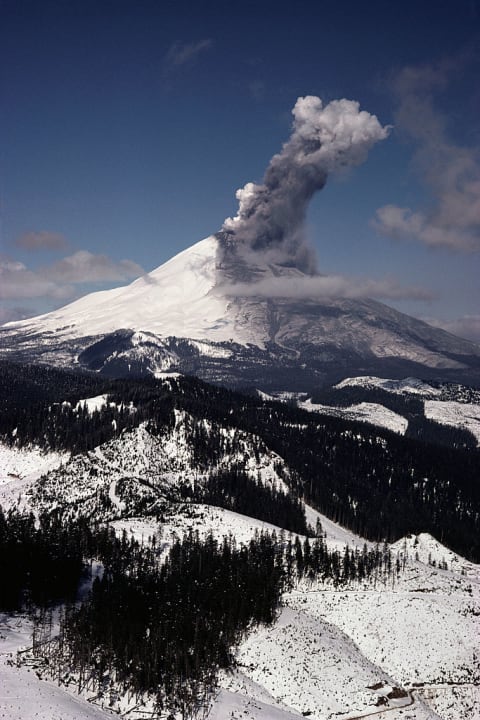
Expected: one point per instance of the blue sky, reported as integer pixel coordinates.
(127, 126)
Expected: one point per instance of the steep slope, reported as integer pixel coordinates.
(334, 651)
(405, 641)
(141, 473)
(409, 406)
(376, 482)
(197, 314)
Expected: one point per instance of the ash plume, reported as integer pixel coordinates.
(268, 228)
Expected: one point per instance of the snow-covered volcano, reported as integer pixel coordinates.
(186, 315)
(176, 299)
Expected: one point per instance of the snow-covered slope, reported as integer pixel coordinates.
(138, 471)
(373, 413)
(176, 299)
(406, 646)
(445, 403)
(407, 386)
(196, 314)
(21, 467)
(23, 696)
(456, 414)
(410, 641)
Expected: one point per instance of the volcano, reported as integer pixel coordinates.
(186, 316)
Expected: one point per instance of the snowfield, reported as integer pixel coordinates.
(310, 665)
(402, 649)
(332, 652)
(372, 413)
(23, 696)
(21, 467)
(457, 414)
(408, 386)
(462, 413)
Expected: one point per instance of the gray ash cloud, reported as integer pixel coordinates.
(269, 225)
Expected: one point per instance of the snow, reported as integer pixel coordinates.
(422, 629)
(166, 375)
(457, 414)
(193, 296)
(176, 299)
(93, 404)
(332, 653)
(418, 631)
(198, 518)
(221, 522)
(426, 549)
(338, 537)
(23, 696)
(209, 350)
(364, 412)
(20, 467)
(235, 705)
(312, 667)
(145, 467)
(409, 386)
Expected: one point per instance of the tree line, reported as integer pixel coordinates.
(376, 483)
(233, 489)
(155, 625)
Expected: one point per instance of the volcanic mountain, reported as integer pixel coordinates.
(200, 313)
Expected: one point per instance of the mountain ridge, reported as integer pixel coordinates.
(185, 316)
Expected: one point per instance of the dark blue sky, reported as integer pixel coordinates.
(127, 126)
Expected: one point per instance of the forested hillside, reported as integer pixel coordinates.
(372, 481)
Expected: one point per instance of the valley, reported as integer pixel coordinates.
(172, 458)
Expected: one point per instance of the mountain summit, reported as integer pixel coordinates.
(206, 312)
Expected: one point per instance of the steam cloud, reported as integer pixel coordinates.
(324, 287)
(269, 224)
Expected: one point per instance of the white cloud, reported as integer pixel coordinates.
(181, 54)
(467, 326)
(86, 267)
(17, 282)
(450, 172)
(43, 240)
(57, 281)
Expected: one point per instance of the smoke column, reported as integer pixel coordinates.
(268, 227)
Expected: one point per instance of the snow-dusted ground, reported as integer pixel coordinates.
(409, 386)
(198, 518)
(19, 467)
(140, 466)
(329, 647)
(332, 653)
(309, 665)
(373, 413)
(23, 696)
(423, 630)
(206, 518)
(420, 634)
(337, 536)
(458, 414)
